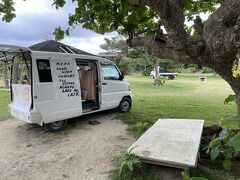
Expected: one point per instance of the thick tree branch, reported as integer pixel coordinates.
(215, 41)
(171, 13)
(159, 49)
(198, 25)
(222, 31)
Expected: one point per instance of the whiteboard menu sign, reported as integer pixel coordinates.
(22, 101)
(65, 78)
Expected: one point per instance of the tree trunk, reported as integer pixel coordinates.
(225, 71)
(236, 89)
(5, 75)
(238, 103)
(156, 69)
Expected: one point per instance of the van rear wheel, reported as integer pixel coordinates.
(125, 105)
(56, 126)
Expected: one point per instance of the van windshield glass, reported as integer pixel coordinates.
(110, 72)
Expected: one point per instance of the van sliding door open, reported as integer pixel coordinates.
(88, 77)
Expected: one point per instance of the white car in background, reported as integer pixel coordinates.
(163, 72)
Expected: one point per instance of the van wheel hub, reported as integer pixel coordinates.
(57, 124)
(125, 105)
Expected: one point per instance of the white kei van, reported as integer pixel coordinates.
(47, 88)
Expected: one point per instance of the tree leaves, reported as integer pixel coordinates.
(232, 123)
(129, 163)
(235, 142)
(107, 16)
(193, 7)
(230, 98)
(7, 9)
(226, 144)
(59, 33)
(115, 44)
(114, 15)
(215, 151)
(227, 163)
(58, 3)
(228, 153)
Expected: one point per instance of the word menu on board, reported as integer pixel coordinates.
(65, 78)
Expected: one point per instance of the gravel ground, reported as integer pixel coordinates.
(82, 151)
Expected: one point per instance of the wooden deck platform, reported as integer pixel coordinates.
(170, 142)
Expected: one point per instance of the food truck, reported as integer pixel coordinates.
(47, 88)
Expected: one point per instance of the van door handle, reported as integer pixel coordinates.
(104, 83)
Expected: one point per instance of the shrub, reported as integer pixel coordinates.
(147, 71)
(227, 143)
(127, 166)
(125, 66)
(161, 80)
(140, 127)
(207, 70)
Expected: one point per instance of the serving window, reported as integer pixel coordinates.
(44, 70)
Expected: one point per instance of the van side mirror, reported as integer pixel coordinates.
(121, 77)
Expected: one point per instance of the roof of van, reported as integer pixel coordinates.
(54, 46)
(48, 47)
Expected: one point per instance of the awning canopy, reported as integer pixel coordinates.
(55, 46)
(6, 49)
(10, 48)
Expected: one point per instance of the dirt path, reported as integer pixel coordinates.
(82, 151)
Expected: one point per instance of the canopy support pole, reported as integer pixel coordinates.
(5, 73)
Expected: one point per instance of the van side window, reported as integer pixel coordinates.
(44, 70)
(110, 72)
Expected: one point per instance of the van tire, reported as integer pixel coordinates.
(152, 77)
(56, 126)
(125, 105)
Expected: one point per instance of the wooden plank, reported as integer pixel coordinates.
(170, 142)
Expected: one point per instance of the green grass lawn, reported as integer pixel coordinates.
(4, 101)
(184, 97)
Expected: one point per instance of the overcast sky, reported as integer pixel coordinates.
(36, 21)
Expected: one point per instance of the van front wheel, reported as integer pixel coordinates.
(56, 126)
(125, 105)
